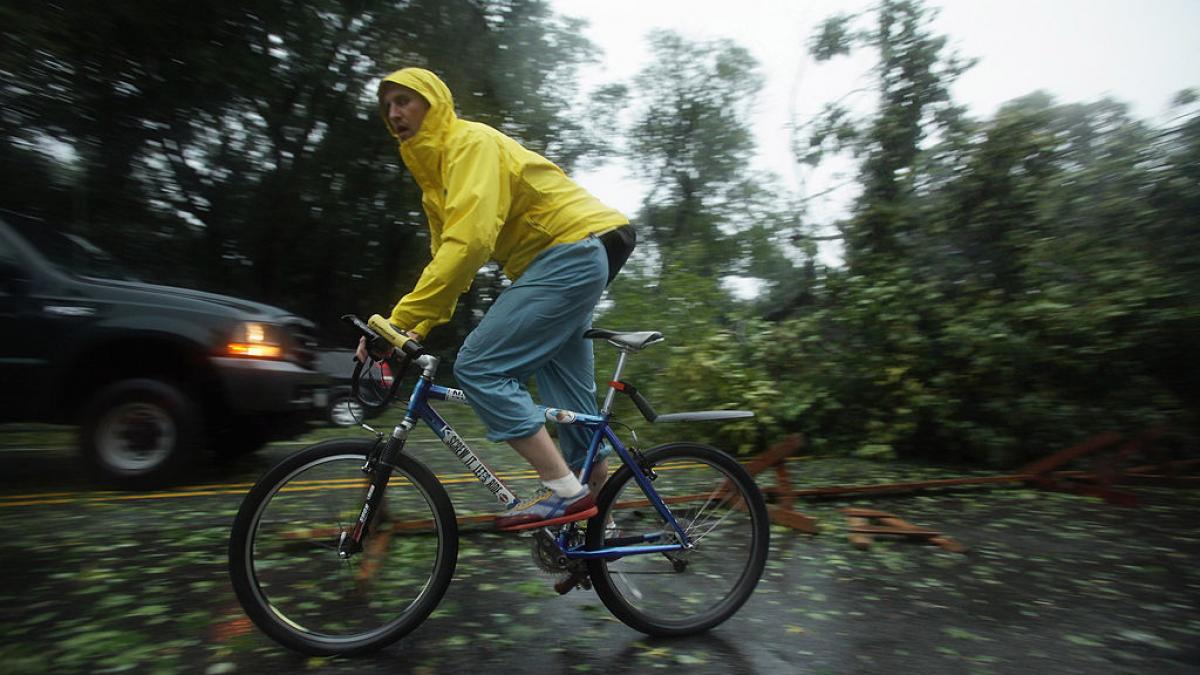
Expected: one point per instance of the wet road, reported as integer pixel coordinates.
(98, 581)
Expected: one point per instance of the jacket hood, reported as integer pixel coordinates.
(441, 115)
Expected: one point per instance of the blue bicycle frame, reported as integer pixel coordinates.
(419, 408)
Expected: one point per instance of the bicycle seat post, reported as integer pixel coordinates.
(612, 392)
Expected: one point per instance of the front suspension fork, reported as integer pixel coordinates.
(379, 467)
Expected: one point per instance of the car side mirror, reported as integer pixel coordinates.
(14, 279)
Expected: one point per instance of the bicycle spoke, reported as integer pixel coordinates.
(706, 503)
(716, 523)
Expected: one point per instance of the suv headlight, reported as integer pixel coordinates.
(256, 340)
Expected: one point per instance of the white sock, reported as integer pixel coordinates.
(567, 486)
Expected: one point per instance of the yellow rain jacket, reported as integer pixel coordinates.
(486, 198)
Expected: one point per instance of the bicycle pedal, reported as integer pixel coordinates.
(570, 582)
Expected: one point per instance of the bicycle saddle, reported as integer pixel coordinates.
(631, 341)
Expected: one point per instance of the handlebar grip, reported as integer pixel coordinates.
(406, 344)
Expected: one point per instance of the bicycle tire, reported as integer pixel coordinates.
(728, 556)
(281, 582)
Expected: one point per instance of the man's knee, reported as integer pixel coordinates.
(467, 370)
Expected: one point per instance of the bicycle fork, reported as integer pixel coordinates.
(379, 466)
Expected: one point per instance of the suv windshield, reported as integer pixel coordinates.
(70, 253)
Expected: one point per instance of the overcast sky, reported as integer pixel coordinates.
(1138, 51)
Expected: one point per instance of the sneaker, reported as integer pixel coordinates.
(546, 508)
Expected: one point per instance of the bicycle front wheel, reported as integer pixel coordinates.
(284, 561)
(717, 504)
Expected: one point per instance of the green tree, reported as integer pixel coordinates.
(1007, 289)
(691, 144)
(912, 79)
(707, 216)
(868, 318)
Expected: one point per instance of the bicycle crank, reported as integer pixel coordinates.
(550, 558)
(546, 553)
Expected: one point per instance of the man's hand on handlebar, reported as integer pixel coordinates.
(363, 351)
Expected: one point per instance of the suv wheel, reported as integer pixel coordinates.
(139, 433)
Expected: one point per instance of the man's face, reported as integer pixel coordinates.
(404, 109)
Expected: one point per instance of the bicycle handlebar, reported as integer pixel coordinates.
(381, 337)
(411, 348)
(377, 330)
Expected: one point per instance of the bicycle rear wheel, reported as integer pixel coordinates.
(284, 562)
(686, 592)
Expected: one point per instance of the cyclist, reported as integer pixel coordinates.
(488, 198)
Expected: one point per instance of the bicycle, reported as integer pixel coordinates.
(348, 545)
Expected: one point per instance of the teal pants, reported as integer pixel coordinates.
(535, 329)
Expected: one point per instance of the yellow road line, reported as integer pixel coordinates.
(56, 498)
(51, 498)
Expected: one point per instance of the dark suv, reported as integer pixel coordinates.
(152, 375)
